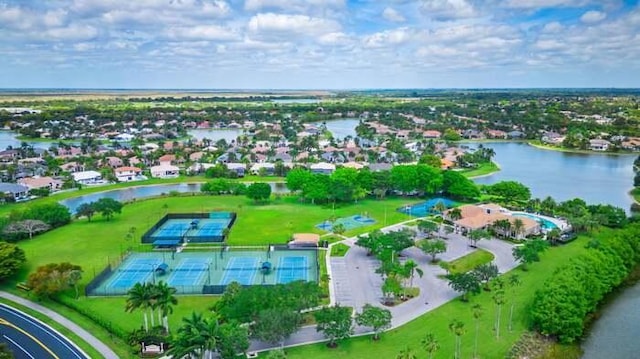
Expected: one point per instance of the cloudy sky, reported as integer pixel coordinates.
(314, 44)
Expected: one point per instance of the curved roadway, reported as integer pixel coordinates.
(31, 339)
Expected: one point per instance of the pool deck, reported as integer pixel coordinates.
(561, 224)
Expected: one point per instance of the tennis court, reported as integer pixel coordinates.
(348, 222)
(241, 269)
(134, 271)
(190, 271)
(177, 228)
(200, 272)
(292, 268)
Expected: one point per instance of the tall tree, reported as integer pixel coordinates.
(477, 314)
(477, 235)
(12, 258)
(377, 319)
(276, 325)
(498, 299)
(165, 301)
(433, 248)
(406, 353)
(430, 344)
(335, 323)
(456, 327)
(27, 226)
(513, 281)
(485, 273)
(51, 279)
(465, 283)
(139, 297)
(86, 210)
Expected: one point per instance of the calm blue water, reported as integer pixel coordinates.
(8, 138)
(596, 178)
(342, 128)
(215, 135)
(131, 193)
(546, 224)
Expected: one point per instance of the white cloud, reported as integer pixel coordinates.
(591, 17)
(552, 27)
(536, 4)
(335, 38)
(202, 32)
(448, 9)
(73, 32)
(548, 45)
(262, 24)
(292, 5)
(393, 15)
(388, 38)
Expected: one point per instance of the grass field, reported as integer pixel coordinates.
(485, 169)
(470, 261)
(339, 250)
(437, 321)
(94, 244)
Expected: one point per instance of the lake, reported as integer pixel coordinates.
(596, 178)
(341, 128)
(215, 135)
(8, 138)
(142, 191)
(615, 333)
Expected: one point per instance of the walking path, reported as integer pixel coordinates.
(86, 336)
(354, 283)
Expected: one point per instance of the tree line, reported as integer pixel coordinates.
(348, 184)
(576, 288)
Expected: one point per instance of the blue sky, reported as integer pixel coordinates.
(319, 44)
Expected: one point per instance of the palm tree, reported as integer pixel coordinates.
(514, 281)
(440, 207)
(518, 227)
(139, 298)
(412, 267)
(430, 344)
(166, 299)
(457, 328)
(498, 299)
(477, 314)
(406, 353)
(455, 214)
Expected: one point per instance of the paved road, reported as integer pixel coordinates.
(355, 283)
(31, 339)
(102, 348)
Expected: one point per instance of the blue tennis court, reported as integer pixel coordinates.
(348, 223)
(137, 270)
(292, 268)
(240, 269)
(208, 271)
(427, 208)
(190, 271)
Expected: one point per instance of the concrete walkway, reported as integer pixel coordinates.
(355, 283)
(86, 336)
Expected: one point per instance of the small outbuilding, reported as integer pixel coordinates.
(304, 240)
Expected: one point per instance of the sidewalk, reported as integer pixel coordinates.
(86, 336)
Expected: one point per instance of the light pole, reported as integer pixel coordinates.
(153, 272)
(209, 273)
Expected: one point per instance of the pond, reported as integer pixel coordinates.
(596, 178)
(9, 138)
(141, 192)
(341, 128)
(615, 333)
(215, 135)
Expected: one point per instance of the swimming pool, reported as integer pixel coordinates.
(544, 223)
(426, 208)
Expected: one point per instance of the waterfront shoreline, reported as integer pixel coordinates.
(581, 152)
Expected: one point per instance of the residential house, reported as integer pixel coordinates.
(9, 155)
(497, 134)
(322, 168)
(267, 168)
(88, 177)
(15, 192)
(599, 145)
(515, 135)
(41, 182)
(432, 134)
(113, 162)
(72, 167)
(552, 138)
(165, 170)
(239, 168)
(128, 174)
(167, 159)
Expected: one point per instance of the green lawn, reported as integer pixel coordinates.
(94, 244)
(484, 170)
(470, 261)
(437, 321)
(339, 250)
